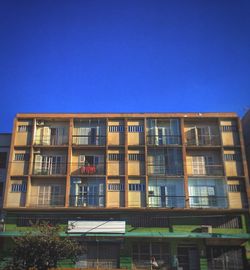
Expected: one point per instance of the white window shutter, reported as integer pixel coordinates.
(101, 194)
(46, 133)
(38, 164)
(39, 134)
(156, 136)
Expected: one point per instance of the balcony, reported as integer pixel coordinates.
(93, 200)
(208, 201)
(166, 201)
(50, 140)
(89, 140)
(49, 169)
(205, 170)
(46, 200)
(162, 169)
(163, 140)
(203, 140)
(88, 169)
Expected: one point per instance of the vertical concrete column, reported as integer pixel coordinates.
(69, 155)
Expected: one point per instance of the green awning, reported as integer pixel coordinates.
(135, 234)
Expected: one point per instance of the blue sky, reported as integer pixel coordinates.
(123, 56)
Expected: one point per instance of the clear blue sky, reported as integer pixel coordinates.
(123, 56)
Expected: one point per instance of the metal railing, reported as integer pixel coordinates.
(203, 140)
(94, 200)
(89, 140)
(47, 200)
(163, 140)
(51, 140)
(166, 201)
(208, 201)
(88, 169)
(49, 169)
(98, 263)
(203, 169)
(162, 169)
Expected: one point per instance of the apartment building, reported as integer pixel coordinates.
(5, 140)
(246, 133)
(134, 185)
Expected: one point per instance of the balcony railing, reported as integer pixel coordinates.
(208, 202)
(49, 169)
(203, 140)
(166, 201)
(162, 169)
(163, 140)
(88, 169)
(203, 169)
(46, 200)
(89, 140)
(94, 200)
(51, 140)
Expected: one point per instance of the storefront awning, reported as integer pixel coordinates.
(134, 234)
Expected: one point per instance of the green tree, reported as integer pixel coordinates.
(43, 248)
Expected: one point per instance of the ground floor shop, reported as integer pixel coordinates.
(170, 254)
(128, 240)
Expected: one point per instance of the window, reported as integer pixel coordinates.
(24, 128)
(228, 128)
(136, 187)
(200, 135)
(22, 157)
(202, 165)
(48, 165)
(136, 157)
(49, 195)
(18, 187)
(119, 157)
(116, 128)
(207, 193)
(91, 194)
(232, 157)
(135, 128)
(3, 159)
(167, 162)
(163, 132)
(235, 188)
(116, 187)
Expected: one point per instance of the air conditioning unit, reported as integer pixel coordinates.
(206, 228)
(37, 151)
(40, 123)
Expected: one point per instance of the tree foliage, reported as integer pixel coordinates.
(43, 248)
